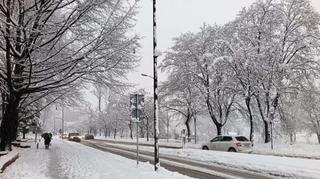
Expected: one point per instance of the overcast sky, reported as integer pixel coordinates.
(175, 17)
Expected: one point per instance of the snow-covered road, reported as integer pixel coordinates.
(75, 161)
(274, 165)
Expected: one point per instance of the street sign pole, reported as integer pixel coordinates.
(137, 143)
(136, 111)
(137, 128)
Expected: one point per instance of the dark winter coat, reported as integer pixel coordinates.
(47, 138)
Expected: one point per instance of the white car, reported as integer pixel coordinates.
(229, 143)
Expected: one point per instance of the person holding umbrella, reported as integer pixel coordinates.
(47, 139)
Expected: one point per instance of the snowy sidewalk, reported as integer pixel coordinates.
(71, 160)
(32, 164)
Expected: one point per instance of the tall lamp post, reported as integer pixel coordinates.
(156, 126)
(155, 88)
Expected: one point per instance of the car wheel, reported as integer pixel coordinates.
(232, 150)
(205, 148)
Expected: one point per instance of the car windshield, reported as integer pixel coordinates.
(216, 139)
(241, 139)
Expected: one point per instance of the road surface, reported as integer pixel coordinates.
(184, 166)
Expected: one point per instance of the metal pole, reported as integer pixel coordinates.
(195, 128)
(137, 143)
(271, 135)
(155, 86)
(167, 127)
(137, 129)
(62, 125)
(147, 129)
(35, 135)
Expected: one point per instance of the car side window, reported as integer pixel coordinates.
(226, 138)
(242, 139)
(216, 139)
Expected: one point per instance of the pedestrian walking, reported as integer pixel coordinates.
(47, 139)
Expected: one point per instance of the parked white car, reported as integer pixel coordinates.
(229, 143)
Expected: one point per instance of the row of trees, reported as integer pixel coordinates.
(262, 66)
(112, 116)
(51, 49)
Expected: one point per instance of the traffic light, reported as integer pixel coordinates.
(136, 107)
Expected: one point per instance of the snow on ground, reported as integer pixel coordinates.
(282, 166)
(32, 164)
(72, 160)
(171, 142)
(8, 157)
(296, 150)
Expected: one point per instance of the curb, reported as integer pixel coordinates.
(9, 162)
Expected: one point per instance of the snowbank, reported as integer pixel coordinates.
(275, 165)
(66, 159)
(308, 151)
(265, 164)
(311, 151)
(162, 142)
(8, 159)
(81, 162)
(32, 164)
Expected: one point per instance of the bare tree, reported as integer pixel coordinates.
(310, 105)
(47, 45)
(280, 39)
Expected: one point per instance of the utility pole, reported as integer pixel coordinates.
(155, 86)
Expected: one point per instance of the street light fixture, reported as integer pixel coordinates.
(142, 74)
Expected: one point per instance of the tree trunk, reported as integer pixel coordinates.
(248, 100)
(188, 129)
(109, 131)
(9, 125)
(318, 135)
(147, 129)
(4, 99)
(219, 128)
(187, 123)
(265, 122)
(130, 128)
(266, 131)
(24, 131)
(291, 137)
(115, 133)
(105, 131)
(121, 132)
(141, 131)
